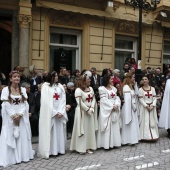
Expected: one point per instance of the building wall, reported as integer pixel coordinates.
(98, 38)
(153, 47)
(102, 35)
(37, 39)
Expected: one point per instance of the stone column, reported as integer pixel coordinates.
(15, 40)
(24, 19)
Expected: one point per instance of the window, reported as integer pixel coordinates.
(125, 47)
(65, 49)
(166, 53)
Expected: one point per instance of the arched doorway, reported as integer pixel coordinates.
(5, 51)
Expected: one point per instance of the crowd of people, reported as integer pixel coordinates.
(95, 111)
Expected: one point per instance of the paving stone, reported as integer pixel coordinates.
(112, 159)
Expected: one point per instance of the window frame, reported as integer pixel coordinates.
(76, 47)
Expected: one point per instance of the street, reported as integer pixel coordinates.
(145, 155)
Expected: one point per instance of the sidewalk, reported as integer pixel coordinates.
(145, 155)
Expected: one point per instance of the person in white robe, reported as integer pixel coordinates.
(108, 135)
(148, 114)
(85, 122)
(130, 133)
(164, 119)
(53, 118)
(15, 139)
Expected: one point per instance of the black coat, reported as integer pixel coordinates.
(92, 83)
(38, 80)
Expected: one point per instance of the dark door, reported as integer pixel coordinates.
(5, 52)
(62, 58)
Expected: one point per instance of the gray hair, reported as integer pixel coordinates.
(25, 84)
(31, 68)
(116, 71)
(70, 84)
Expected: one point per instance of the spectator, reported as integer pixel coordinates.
(128, 60)
(2, 79)
(75, 76)
(71, 113)
(116, 75)
(23, 78)
(133, 63)
(35, 79)
(95, 79)
(62, 78)
(104, 72)
(125, 70)
(132, 69)
(119, 92)
(45, 75)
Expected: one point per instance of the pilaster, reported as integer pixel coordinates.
(24, 20)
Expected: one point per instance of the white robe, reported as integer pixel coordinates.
(108, 134)
(148, 120)
(130, 125)
(85, 125)
(52, 130)
(14, 150)
(164, 119)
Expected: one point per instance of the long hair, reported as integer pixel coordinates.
(105, 80)
(51, 77)
(9, 87)
(104, 72)
(75, 71)
(128, 80)
(81, 82)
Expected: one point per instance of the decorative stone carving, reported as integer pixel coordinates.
(24, 20)
(61, 18)
(127, 27)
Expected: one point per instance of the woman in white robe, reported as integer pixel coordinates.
(108, 135)
(15, 139)
(53, 118)
(130, 125)
(164, 119)
(148, 114)
(85, 122)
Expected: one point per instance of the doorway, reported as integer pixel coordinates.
(63, 58)
(5, 52)
(65, 49)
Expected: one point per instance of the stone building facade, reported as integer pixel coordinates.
(79, 34)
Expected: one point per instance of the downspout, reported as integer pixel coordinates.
(40, 35)
(103, 38)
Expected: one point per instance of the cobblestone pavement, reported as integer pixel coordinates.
(145, 155)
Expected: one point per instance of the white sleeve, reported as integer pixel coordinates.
(141, 99)
(6, 104)
(79, 101)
